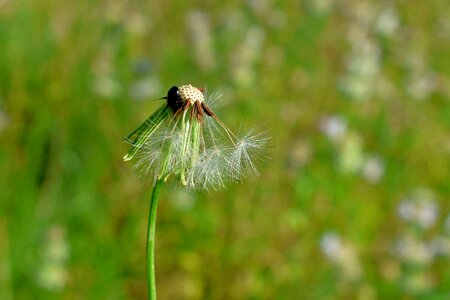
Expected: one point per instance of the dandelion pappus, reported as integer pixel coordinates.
(186, 138)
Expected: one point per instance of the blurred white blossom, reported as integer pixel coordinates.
(420, 209)
(363, 73)
(245, 57)
(351, 156)
(299, 155)
(320, 7)
(333, 127)
(414, 251)
(373, 169)
(331, 245)
(107, 87)
(342, 254)
(387, 22)
(362, 64)
(440, 246)
(137, 23)
(422, 85)
(201, 38)
(52, 273)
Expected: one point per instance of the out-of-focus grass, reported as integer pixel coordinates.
(353, 202)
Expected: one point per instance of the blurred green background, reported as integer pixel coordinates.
(353, 202)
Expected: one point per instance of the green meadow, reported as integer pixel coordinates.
(353, 197)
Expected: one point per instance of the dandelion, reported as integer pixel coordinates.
(184, 139)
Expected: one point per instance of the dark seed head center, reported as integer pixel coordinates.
(181, 98)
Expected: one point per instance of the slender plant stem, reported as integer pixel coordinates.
(151, 278)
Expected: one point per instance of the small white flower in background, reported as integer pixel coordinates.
(420, 209)
(422, 85)
(106, 87)
(363, 66)
(342, 254)
(299, 155)
(245, 57)
(414, 251)
(320, 7)
(53, 274)
(260, 7)
(440, 246)
(331, 245)
(387, 22)
(186, 139)
(373, 169)
(363, 63)
(199, 27)
(334, 127)
(351, 155)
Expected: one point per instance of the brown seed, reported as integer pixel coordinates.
(207, 110)
(199, 110)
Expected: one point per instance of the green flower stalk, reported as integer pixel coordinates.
(186, 140)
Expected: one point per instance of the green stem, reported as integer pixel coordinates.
(151, 278)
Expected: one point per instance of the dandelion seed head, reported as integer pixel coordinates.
(185, 139)
(192, 93)
(209, 171)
